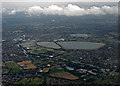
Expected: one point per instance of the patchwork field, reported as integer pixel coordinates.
(65, 75)
(26, 64)
(31, 66)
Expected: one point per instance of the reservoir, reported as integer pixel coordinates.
(79, 35)
(72, 45)
(28, 44)
(49, 45)
(80, 45)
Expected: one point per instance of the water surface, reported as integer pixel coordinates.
(48, 44)
(81, 45)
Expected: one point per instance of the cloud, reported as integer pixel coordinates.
(96, 11)
(3, 10)
(35, 10)
(110, 10)
(53, 10)
(69, 10)
(73, 10)
(12, 12)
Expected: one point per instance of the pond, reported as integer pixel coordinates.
(28, 44)
(80, 45)
(79, 35)
(49, 45)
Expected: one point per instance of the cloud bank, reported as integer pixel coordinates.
(69, 10)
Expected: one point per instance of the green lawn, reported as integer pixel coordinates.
(38, 62)
(13, 67)
(30, 81)
(36, 51)
(23, 81)
(6, 72)
(55, 71)
(115, 79)
(37, 81)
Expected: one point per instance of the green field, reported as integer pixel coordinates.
(113, 79)
(37, 81)
(13, 67)
(56, 71)
(38, 62)
(30, 81)
(36, 51)
(41, 51)
(6, 72)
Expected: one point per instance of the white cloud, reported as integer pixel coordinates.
(69, 10)
(110, 10)
(12, 12)
(53, 10)
(96, 11)
(35, 10)
(3, 10)
(74, 10)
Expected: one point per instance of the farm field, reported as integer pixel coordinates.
(30, 81)
(13, 67)
(65, 75)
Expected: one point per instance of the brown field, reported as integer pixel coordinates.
(31, 66)
(45, 69)
(65, 75)
(54, 66)
(24, 62)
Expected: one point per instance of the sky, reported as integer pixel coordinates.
(60, 0)
(60, 8)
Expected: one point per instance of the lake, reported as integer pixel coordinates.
(80, 45)
(28, 44)
(49, 45)
(79, 35)
(72, 45)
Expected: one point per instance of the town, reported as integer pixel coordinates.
(60, 44)
(46, 63)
